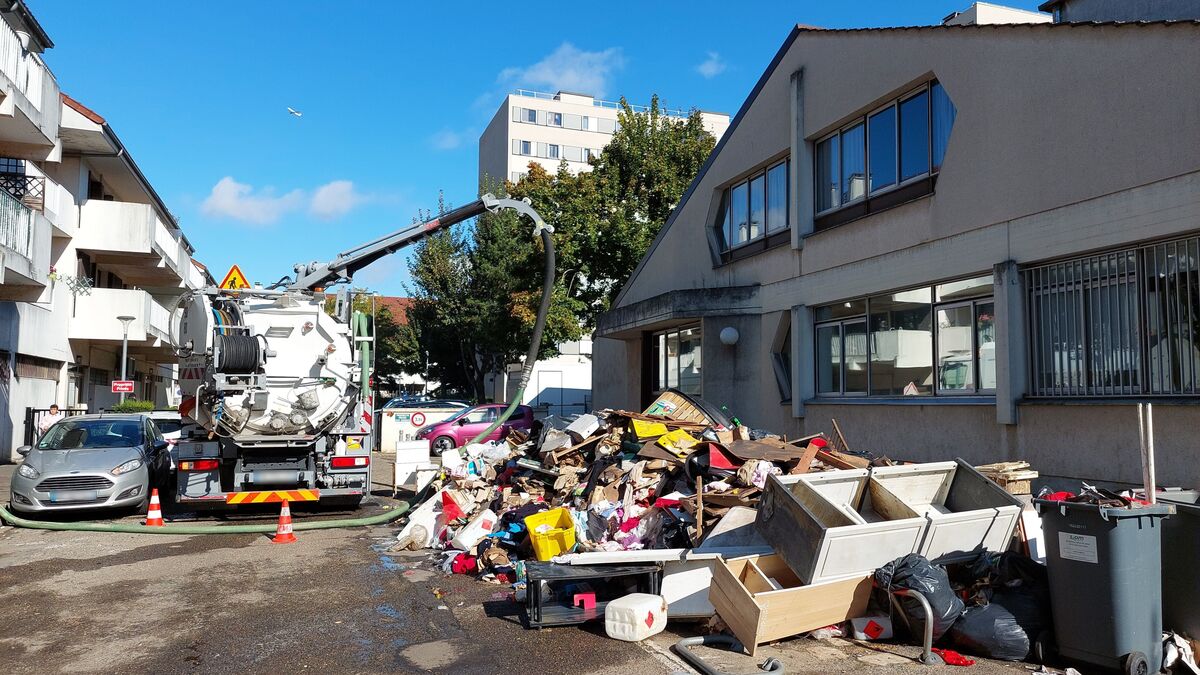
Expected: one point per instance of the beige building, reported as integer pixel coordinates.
(957, 240)
(84, 239)
(534, 126)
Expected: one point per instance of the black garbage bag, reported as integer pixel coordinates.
(915, 573)
(1005, 628)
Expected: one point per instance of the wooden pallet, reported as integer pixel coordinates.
(1014, 477)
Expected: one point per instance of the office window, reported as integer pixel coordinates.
(914, 136)
(943, 112)
(827, 170)
(552, 151)
(605, 126)
(572, 153)
(882, 143)
(572, 121)
(909, 343)
(554, 119)
(754, 207)
(587, 123)
(777, 197)
(522, 148)
(677, 360)
(888, 149)
(757, 206)
(854, 164)
(1125, 323)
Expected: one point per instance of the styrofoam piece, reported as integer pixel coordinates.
(428, 516)
(871, 628)
(479, 527)
(583, 427)
(635, 617)
(451, 459)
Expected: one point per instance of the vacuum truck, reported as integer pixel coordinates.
(280, 388)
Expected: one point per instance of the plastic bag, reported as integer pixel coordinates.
(1005, 628)
(915, 573)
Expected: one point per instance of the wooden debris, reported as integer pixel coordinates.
(1014, 477)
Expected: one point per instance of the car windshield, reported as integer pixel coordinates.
(168, 426)
(458, 414)
(70, 434)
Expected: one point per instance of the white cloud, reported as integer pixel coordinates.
(712, 66)
(448, 139)
(568, 68)
(335, 199)
(261, 206)
(239, 201)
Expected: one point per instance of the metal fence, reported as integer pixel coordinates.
(16, 226)
(1123, 323)
(34, 417)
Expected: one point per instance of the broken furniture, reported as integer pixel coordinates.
(1015, 477)
(414, 468)
(825, 527)
(563, 595)
(967, 512)
(762, 600)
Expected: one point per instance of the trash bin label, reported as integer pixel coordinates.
(1081, 547)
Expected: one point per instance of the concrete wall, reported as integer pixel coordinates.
(494, 147)
(1130, 10)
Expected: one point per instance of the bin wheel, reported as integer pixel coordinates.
(1043, 647)
(1135, 663)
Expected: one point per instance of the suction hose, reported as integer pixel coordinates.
(377, 519)
(535, 344)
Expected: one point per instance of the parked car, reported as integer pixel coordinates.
(397, 403)
(91, 461)
(173, 426)
(469, 422)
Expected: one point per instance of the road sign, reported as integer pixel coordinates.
(234, 279)
(122, 386)
(418, 419)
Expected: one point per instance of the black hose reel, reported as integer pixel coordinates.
(237, 353)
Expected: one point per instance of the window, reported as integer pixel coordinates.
(522, 148)
(606, 126)
(572, 121)
(882, 142)
(587, 123)
(889, 150)
(676, 360)
(1125, 323)
(932, 340)
(552, 151)
(554, 119)
(781, 357)
(754, 207)
(572, 153)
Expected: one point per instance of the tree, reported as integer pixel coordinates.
(388, 336)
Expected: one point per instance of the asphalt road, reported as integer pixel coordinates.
(335, 601)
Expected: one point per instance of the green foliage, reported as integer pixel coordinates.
(132, 405)
(476, 290)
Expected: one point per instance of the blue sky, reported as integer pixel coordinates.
(394, 96)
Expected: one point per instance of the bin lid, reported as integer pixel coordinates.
(1107, 512)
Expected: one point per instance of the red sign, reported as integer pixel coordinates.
(418, 419)
(122, 386)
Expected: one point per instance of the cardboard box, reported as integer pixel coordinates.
(762, 600)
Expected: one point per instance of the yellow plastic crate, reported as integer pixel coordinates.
(557, 540)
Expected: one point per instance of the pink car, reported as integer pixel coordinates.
(470, 422)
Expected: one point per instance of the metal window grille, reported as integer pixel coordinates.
(1116, 324)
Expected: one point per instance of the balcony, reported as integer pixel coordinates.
(30, 109)
(24, 251)
(132, 240)
(95, 317)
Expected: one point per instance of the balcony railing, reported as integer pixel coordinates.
(23, 67)
(29, 190)
(95, 316)
(16, 226)
(601, 103)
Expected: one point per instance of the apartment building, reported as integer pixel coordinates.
(975, 240)
(534, 126)
(84, 239)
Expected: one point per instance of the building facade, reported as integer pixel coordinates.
(534, 126)
(84, 239)
(958, 240)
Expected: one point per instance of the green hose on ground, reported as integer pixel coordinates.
(378, 519)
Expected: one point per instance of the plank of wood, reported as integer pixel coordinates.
(733, 603)
(840, 460)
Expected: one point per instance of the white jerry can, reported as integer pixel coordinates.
(635, 617)
(480, 527)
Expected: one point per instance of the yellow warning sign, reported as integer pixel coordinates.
(235, 279)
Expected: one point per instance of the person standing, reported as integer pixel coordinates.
(48, 419)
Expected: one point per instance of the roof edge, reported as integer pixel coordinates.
(82, 109)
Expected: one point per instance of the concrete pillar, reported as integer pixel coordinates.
(1011, 350)
(804, 383)
(801, 206)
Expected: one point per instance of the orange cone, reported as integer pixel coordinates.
(283, 533)
(154, 513)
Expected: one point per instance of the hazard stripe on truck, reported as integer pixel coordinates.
(272, 496)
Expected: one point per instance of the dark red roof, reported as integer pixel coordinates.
(83, 109)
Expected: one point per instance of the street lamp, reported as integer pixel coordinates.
(125, 321)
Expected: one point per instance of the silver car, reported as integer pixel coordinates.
(91, 461)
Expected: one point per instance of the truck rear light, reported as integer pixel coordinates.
(199, 465)
(345, 462)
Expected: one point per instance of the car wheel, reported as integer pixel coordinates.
(443, 443)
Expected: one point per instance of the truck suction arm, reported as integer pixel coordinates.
(342, 268)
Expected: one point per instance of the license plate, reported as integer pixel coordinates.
(73, 496)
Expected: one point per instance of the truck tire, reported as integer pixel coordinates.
(443, 443)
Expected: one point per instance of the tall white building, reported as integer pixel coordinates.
(84, 238)
(534, 126)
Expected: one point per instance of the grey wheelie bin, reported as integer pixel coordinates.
(1181, 560)
(1105, 565)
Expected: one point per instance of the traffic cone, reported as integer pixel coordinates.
(154, 513)
(283, 533)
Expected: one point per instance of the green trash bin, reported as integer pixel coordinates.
(1105, 574)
